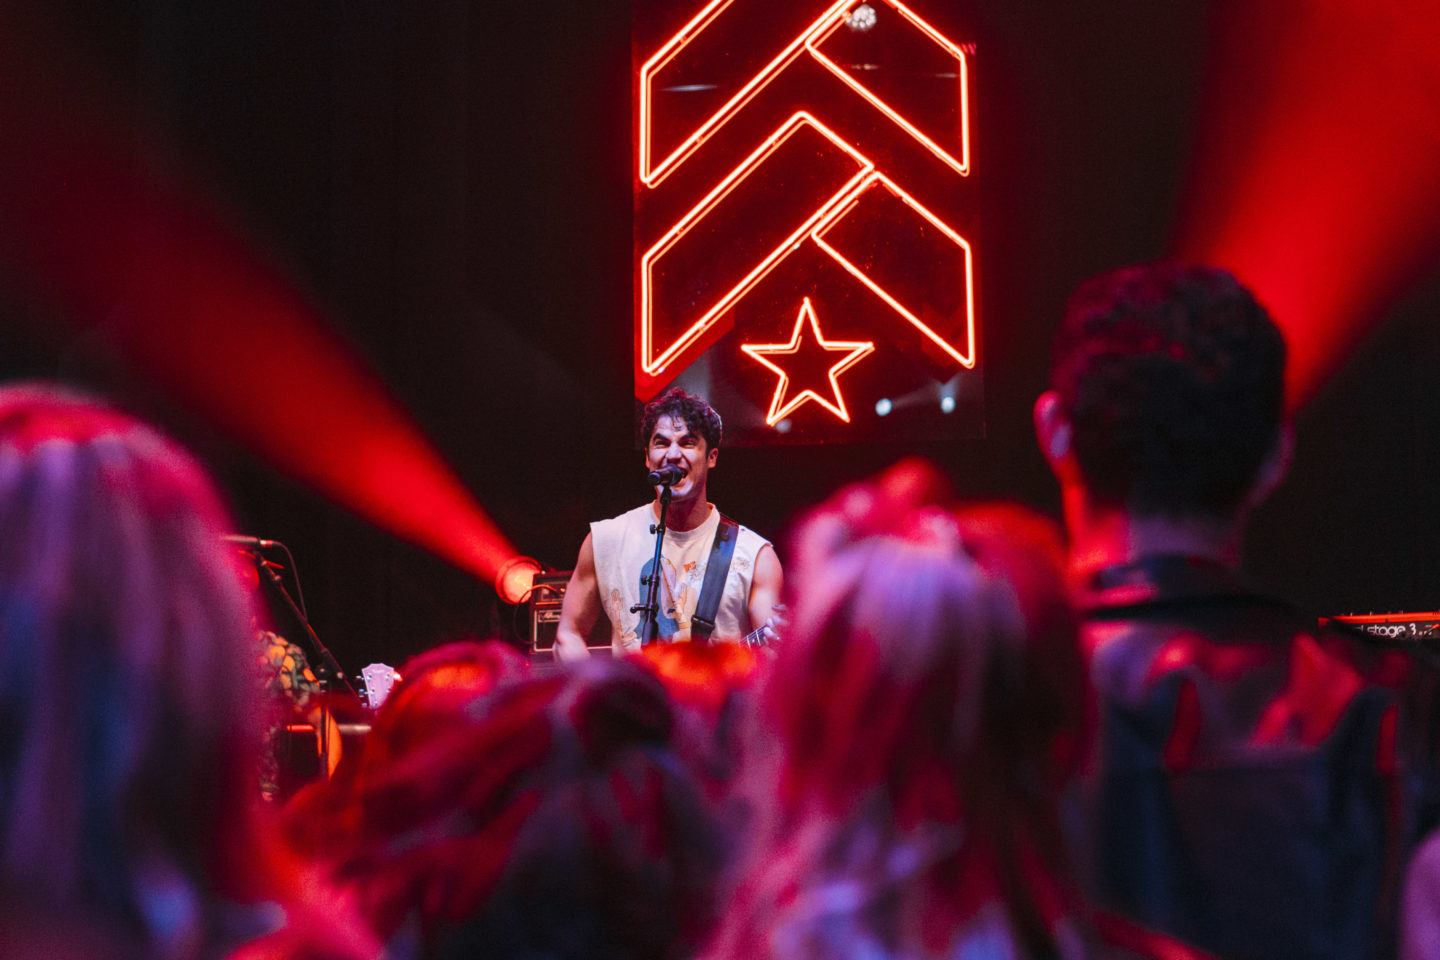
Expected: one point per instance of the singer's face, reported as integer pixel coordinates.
(672, 443)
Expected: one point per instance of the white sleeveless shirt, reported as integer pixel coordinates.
(624, 549)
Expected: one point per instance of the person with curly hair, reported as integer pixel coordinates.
(681, 432)
(1258, 780)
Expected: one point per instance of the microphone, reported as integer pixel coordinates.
(666, 476)
(254, 543)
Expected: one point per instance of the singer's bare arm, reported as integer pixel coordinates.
(765, 586)
(581, 607)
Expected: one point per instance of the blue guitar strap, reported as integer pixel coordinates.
(717, 570)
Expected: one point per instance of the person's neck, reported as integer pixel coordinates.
(1102, 536)
(685, 514)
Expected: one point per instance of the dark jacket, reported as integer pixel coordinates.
(1258, 781)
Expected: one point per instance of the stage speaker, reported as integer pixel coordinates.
(546, 597)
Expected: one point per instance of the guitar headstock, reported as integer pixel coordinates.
(376, 682)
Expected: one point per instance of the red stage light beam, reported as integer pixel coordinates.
(97, 225)
(1315, 178)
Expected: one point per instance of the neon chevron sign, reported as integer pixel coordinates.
(783, 168)
(809, 42)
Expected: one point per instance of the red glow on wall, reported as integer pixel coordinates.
(98, 228)
(1315, 179)
(785, 156)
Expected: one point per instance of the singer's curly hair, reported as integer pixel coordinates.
(697, 414)
(1173, 378)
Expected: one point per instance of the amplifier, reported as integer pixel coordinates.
(546, 597)
(1422, 628)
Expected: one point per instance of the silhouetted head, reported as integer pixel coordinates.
(1166, 392)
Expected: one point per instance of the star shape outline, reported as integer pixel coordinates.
(779, 406)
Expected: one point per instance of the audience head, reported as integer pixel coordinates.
(439, 691)
(437, 688)
(546, 817)
(710, 686)
(128, 706)
(922, 634)
(1166, 394)
(702, 676)
(925, 703)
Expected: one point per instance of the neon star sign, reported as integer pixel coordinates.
(854, 352)
(784, 154)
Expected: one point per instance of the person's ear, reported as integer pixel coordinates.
(1275, 467)
(1054, 433)
(713, 456)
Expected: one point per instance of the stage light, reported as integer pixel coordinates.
(947, 404)
(1314, 178)
(102, 227)
(516, 578)
(861, 18)
(883, 406)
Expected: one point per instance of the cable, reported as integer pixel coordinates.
(295, 575)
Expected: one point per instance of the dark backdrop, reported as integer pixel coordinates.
(451, 182)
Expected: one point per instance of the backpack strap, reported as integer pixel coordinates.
(717, 570)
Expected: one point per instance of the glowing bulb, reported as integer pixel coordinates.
(862, 17)
(883, 406)
(947, 404)
(516, 578)
(783, 426)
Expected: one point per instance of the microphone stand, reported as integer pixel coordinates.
(327, 668)
(650, 624)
